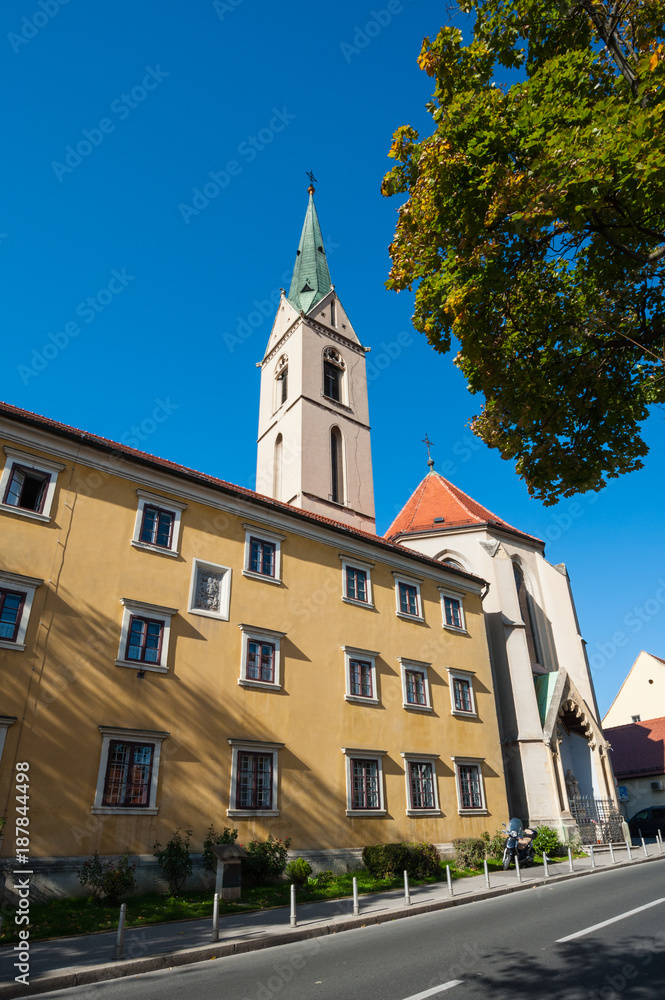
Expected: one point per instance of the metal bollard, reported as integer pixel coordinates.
(570, 858)
(644, 848)
(215, 918)
(517, 868)
(449, 880)
(659, 844)
(547, 871)
(612, 851)
(487, 874)
(630, 853)
(593, 860)
(120, 939)
(356, 903)
(294, 922)
(407, 897)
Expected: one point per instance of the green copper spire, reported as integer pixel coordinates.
(311, 278)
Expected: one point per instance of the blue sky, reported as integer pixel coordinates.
(121, 290)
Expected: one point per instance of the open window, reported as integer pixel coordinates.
(27, 484)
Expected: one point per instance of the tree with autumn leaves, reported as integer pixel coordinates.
(534, 229)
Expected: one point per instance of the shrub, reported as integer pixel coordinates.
(494, 844)
(423, 861)
(469, 852)
(322, 878)
(228, 836)
(266, 860)
(388, 860)
(110, 880)
(385, 860)
(548, 840)
(174, 860)
(298, 871)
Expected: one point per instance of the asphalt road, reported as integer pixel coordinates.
(508, 948)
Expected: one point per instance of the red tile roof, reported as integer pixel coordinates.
(182, 471)
(638, 748)
(437, 498)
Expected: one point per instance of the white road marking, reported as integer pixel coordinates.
(435, 990)
(613, 920)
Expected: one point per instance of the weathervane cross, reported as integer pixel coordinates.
(312, 178)
(426, 441)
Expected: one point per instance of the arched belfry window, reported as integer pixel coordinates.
(528, 617)
(336, 466)
(277, 468)
(333, 373)
(281, 381)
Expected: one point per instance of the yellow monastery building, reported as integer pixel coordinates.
(264, 662)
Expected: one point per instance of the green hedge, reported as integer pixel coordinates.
(390, 860)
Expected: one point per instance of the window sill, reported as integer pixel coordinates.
(463, 715)
(261, 576)
(24, 512)
(159, 549)
(365, 812)
(265, 685)
(453, 628)
(360, 700)
(424, 812)
(123, 811)
(473, 812)
(155, 668)
(417, 708)
(207, 614)
(358, 604)
(410, 618)
(6, 644)
(240, 813)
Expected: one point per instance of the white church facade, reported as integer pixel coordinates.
(556, 760)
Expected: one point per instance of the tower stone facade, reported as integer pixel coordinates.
(314, 447)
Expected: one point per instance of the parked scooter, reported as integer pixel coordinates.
(519, 842)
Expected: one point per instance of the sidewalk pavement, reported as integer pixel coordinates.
(62, 963)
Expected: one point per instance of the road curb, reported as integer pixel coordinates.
(208, 952)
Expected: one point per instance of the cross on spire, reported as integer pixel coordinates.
(312, 181)
(430, 461)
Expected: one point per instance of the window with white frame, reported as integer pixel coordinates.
(144, 639)
(364, 782)
(415, 685)
(157, 524)
(16, 597)
(210, 590)
(469, 782)
(254, 774)
(360, 669)
(262, 554)
(27, 484)
(407, 596)
(422, 794)
(128, 771)
(260, 660)
(452, 610)
(5, 722)
(461, 692)
(356, 581)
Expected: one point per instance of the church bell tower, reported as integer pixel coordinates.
(314, 447)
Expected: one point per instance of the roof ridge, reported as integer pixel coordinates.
(96, 440)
